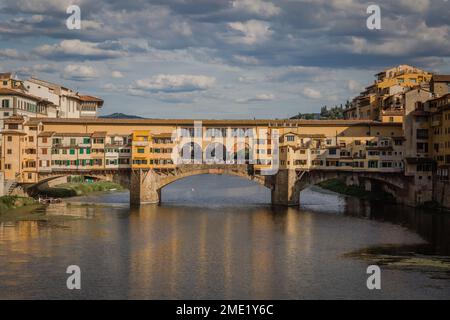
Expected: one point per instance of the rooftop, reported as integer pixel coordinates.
(441, 78)
(209, 122)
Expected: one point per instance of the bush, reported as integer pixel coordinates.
(339, 186)
(77, 189)
(12, 202)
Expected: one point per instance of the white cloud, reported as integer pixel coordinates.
(261, 8)
(354, 86)
(10, 54)
(264, 97)
(79, 72)
(250, 32)
(116, 74)
(174, 83)
(246, 59)
(311, 93)
(81, 49)
(417, 6)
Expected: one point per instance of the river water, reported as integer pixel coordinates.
(217, 237)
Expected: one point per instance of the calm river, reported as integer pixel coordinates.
(217, 237)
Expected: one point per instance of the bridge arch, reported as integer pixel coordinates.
(50, 180)
(394, 184)
(242, 173)
(146, 185)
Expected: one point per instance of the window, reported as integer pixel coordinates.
(7, 166)
(6, 114)
(31, 139)
(44, 140)
(290, 138)
(5, 103)
(332, 152)
(9, 138)
(9, 151)
(373, 164)
(73, 141)
(86, 140)
(72, 151)
(44, 150)
(140, 150)
(422, 147)
(422, 133)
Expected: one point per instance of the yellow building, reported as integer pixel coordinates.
(384, 100)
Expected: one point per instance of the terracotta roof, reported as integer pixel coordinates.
(91, 99)
(15, 119)
(162, 135)
(6, 91)
(441, 97)
(99, 134)
(441, 78)
(75, 134)
(13, 132)
(46, 134)
(209, 122)
(5, 75)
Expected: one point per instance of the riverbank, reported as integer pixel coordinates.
(14, 208)
(73, 189)
(8, 203)
(340, 187)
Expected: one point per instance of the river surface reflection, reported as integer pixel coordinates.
(217, 237)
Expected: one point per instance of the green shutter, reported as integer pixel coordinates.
(81, 150)
(72, 151)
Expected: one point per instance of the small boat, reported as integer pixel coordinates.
(49, 200)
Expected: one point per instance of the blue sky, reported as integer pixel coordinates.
(220, 58)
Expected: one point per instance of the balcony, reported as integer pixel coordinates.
(140, 143)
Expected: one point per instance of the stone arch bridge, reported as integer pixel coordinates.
(145, 185)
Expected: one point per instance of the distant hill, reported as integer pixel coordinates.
(118, 115)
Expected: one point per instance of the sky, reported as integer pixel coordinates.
(212, 59)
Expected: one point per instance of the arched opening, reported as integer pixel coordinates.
(63, 186)
(191, 153)
(215, 153)
(242, 153)
(214, 190)
(342, 188)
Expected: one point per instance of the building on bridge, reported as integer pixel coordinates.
(42, 148)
